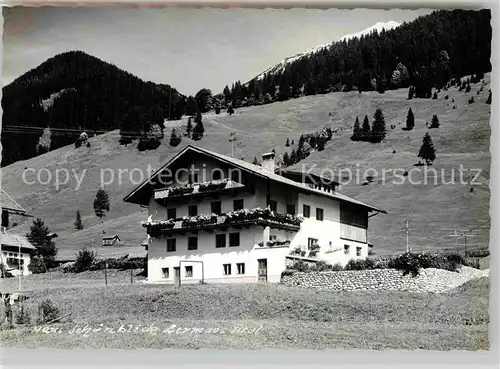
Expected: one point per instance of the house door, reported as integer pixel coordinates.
(262, 270)
(177, 275)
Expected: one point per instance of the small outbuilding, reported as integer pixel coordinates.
(110, 240)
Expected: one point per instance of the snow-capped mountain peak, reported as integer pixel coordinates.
(280, 67)
(379, 26)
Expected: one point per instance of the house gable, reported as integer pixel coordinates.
(189, 155)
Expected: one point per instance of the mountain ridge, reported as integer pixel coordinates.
(77, 92)
(279, 67)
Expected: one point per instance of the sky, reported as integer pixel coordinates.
(187, 48)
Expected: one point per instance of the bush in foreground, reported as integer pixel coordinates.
(408, 263)
(37, 265)
(47, 311)
(84, 260)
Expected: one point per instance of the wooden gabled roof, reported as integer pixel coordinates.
(9, 204)
(137, 195)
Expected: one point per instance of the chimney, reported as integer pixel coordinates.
(268, 161)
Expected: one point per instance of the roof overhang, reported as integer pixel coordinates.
(135, 197)
(141, 194)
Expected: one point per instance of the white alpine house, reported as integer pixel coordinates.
(213, 218)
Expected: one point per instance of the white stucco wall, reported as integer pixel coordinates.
(214, 258)
(328, 233)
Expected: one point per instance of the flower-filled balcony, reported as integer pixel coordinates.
(238, 218)
(210, 187)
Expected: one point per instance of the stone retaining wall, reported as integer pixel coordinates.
(429, 280)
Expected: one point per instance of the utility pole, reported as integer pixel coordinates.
(232, 138)
(407, 231)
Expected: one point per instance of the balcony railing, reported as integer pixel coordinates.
(236, 218)
(209, 187)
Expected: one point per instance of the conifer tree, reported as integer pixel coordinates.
(411, 92)
(410, 120)
(286, 159)
(45, 246)
(489, 99)
(378, 128)
(78, 222)
(356, 132)
(189, 127)
(287, 144)
(175, 139)
(198, 131)
(434, 122)
(427, 151)
(365, 130)
(101, 204)
(255, 161)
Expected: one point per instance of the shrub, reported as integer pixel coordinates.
(121, 263)
(300, 266)
(47, 311)
(407, 263)
(413, 262)
(23, 316)
(337, 267)
(477, 253)
(322, 266)
(37, 265)
(84, 260)
(287, 272)
(361, 264)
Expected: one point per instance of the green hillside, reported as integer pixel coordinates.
(433, 210)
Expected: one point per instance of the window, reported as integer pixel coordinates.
(311, 242)
(220, 240)
(358, 251)
(193, 210)
(273, 205)
(171, 213)
(234, 239)
(240, 268)
(290, 209)
(319, 214)
(166, 272)
(238, 204)
(306, 211)
(171, 245)
(227, 269)
(273, 237)
(235, 175)
(217, 174)
(189, 271)
(347, 249)
(192, 243)
(216, 207)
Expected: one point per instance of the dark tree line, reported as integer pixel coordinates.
(88, 95)
(374, 134)
(307, 143)
(424, 53)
